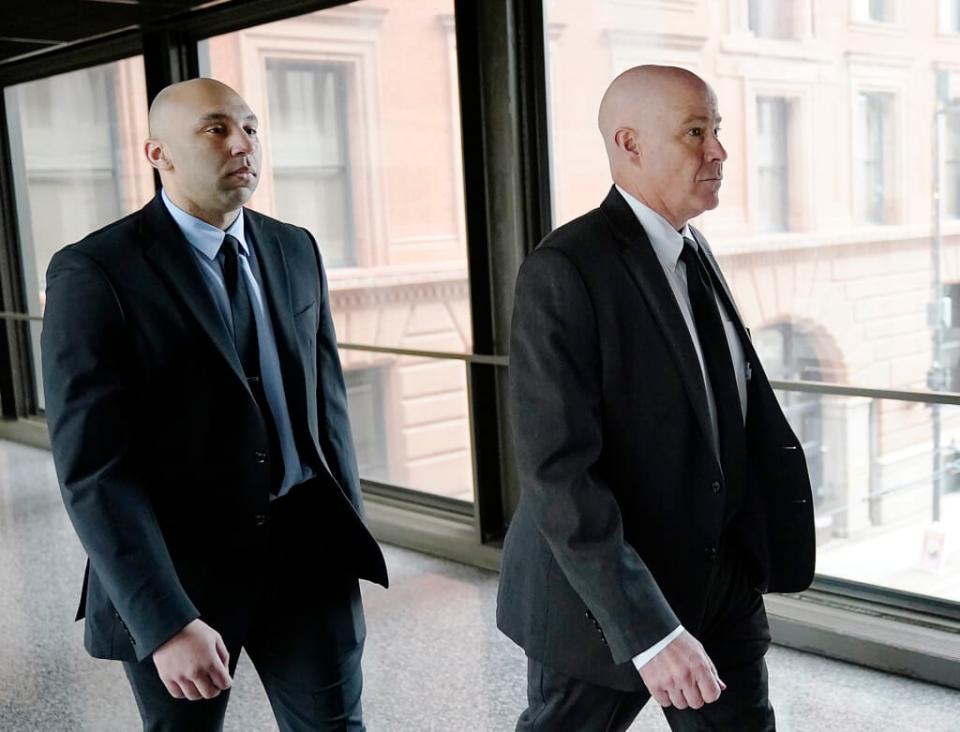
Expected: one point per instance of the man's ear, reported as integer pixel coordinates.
(626, 139)
(157, 155)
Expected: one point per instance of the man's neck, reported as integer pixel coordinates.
(221, 220)
(654, 203)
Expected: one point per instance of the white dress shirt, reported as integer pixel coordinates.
(668, 244)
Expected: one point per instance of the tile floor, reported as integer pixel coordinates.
(434, 661)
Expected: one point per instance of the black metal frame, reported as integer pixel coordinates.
(16, 375)
(886, 599)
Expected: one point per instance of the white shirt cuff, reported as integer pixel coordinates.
(646, 657)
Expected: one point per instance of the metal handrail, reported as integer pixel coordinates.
(813, 387)
(5, 315)
(480, 358)
(900, 395)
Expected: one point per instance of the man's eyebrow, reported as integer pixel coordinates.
(700, 118)
(221, 116)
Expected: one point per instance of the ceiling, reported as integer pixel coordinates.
(31, 27)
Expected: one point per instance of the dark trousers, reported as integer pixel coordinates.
(735, 635)
(305, 640)
(558, 703)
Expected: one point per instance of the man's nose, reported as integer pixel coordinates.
(715, 150)
(241, 143)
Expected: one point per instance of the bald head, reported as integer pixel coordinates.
(203, 141)
(659, 126)
(638, 96)
(176, 100)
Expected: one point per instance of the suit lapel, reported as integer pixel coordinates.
(276, 289)
(645, 269)
(753, 361)
(727, 296)
(169, 253)
(275, 279)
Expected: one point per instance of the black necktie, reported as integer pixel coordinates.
(248, 349)
(719, 364)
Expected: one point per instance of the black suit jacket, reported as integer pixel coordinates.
(157, 440)
(622, 499)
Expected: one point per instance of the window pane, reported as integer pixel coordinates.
(359, 107)
(771, 19)
(815, 164)
(77, 162)
(825, 233)
(410, 421)
(950, 16)
(951, 166)
(772, 172)
(874, 505)
(877, 150)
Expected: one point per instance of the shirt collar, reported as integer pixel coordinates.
(667, 242)
(204, 237)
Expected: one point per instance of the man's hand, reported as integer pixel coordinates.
(682, 675)
(193, 664)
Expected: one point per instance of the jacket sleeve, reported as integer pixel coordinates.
(556, 394)
(91, 415)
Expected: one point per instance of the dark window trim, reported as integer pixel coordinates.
(435, 504)
(16, 374)
(887, 598)
(73, 57)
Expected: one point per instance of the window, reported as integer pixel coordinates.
(367, 407)
(951, 166)
(814, 165)
(77, 163)
(772, 19)
(875, 11)
(875, 149)
(773, 172)
(950, 16)
(361, 135)
(310, 153)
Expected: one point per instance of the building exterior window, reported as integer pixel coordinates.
(951, 167)
(772, 19)
(773, 164)
(366, 405)
(309, 149)
(873, 11)
(875, 148)
(950, 16)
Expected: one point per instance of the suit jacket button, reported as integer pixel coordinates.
(260, 519)
(260, 456)
(711, 552)
(715, 486)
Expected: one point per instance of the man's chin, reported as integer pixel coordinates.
(237, 197)
(711, 202)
